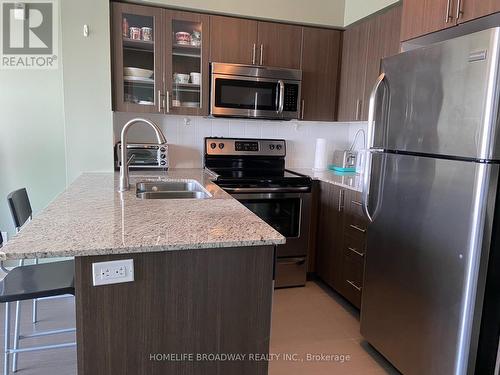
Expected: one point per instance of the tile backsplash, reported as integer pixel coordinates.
(185, 135)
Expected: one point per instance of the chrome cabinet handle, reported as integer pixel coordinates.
(358, 109)
(358, 288)
(341, 200)
(167, 99)
(459, 9)
(448, 9)
(261, 54)
(356, 203)
(302, 109)
(282, 96)
(159, 100)
(369, 143)
(253, 53)
(357, 228)
(355, 251)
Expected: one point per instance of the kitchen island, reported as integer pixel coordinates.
(203, 276)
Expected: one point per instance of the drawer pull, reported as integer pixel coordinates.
(354, 285)
(355, 251)
(357, 203)
(358, 228)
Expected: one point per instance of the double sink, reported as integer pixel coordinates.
(173, 189)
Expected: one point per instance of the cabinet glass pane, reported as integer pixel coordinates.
(138, 59)
(186, 64)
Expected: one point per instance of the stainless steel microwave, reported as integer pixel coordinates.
(252, 91)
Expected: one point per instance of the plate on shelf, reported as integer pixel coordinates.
(137, 72)
(138, 79)
(190, 104)
(145, 102)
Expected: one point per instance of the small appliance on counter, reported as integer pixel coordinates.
(349, 160)
(145, 156)
(344, 161)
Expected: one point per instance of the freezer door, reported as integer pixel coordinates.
(425, 249)
(443, 98)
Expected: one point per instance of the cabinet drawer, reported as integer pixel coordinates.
(355, 228)
(353, 280)
(354, 205)
(354, 248)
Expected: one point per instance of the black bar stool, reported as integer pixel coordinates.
(36, 281)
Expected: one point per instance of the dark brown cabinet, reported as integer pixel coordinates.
(329, 231)
(233, 40)
(424, 17)
(352, 76)
(243, 41)
(137, 63)
(320, 73)
(383, 42)
(154, 70)
(279, 45)
(364, 45)
(341, 241)
(472, 9)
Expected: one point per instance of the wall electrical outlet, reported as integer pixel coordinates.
(114, 272)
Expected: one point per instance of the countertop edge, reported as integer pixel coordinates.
(141, 249)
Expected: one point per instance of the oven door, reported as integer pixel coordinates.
(287, 213)
(253, 97)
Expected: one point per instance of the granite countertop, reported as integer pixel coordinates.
(91, 218)
(351, 180)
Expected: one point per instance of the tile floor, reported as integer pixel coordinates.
(306, 320)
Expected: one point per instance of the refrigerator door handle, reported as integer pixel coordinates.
(370, 143)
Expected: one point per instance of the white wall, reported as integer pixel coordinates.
(186, 141)
(358, 9)
(320, 12)
(87, 87)
(32, 148)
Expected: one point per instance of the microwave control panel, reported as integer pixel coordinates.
(291, 97)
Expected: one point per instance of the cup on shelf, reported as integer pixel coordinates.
(195, 78)
(196, 38)
(181, 78)
(147, 33)
(182, 37)
(135, 33)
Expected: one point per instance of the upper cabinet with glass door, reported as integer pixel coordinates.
(186, 63)
(137, 58)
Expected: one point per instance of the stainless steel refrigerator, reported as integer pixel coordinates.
(431, 297)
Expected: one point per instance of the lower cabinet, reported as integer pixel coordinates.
(341, 241)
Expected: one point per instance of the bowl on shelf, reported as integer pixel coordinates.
(137, 72)
(190, 104)
(182, 37)
(195, 78)
(181, 78)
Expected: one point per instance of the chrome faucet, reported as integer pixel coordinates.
(124, 182)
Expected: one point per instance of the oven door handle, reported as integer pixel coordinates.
(265, 189)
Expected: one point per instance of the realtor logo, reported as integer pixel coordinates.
(29, 34)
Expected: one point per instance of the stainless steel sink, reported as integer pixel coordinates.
(186, 189)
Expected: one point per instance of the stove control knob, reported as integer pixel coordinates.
(221, 145)
(213, 145)
(278, 147)
(162, 156)
(163, 162)
(163, 149)
(271, 147)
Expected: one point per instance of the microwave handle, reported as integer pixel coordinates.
(281, 96)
